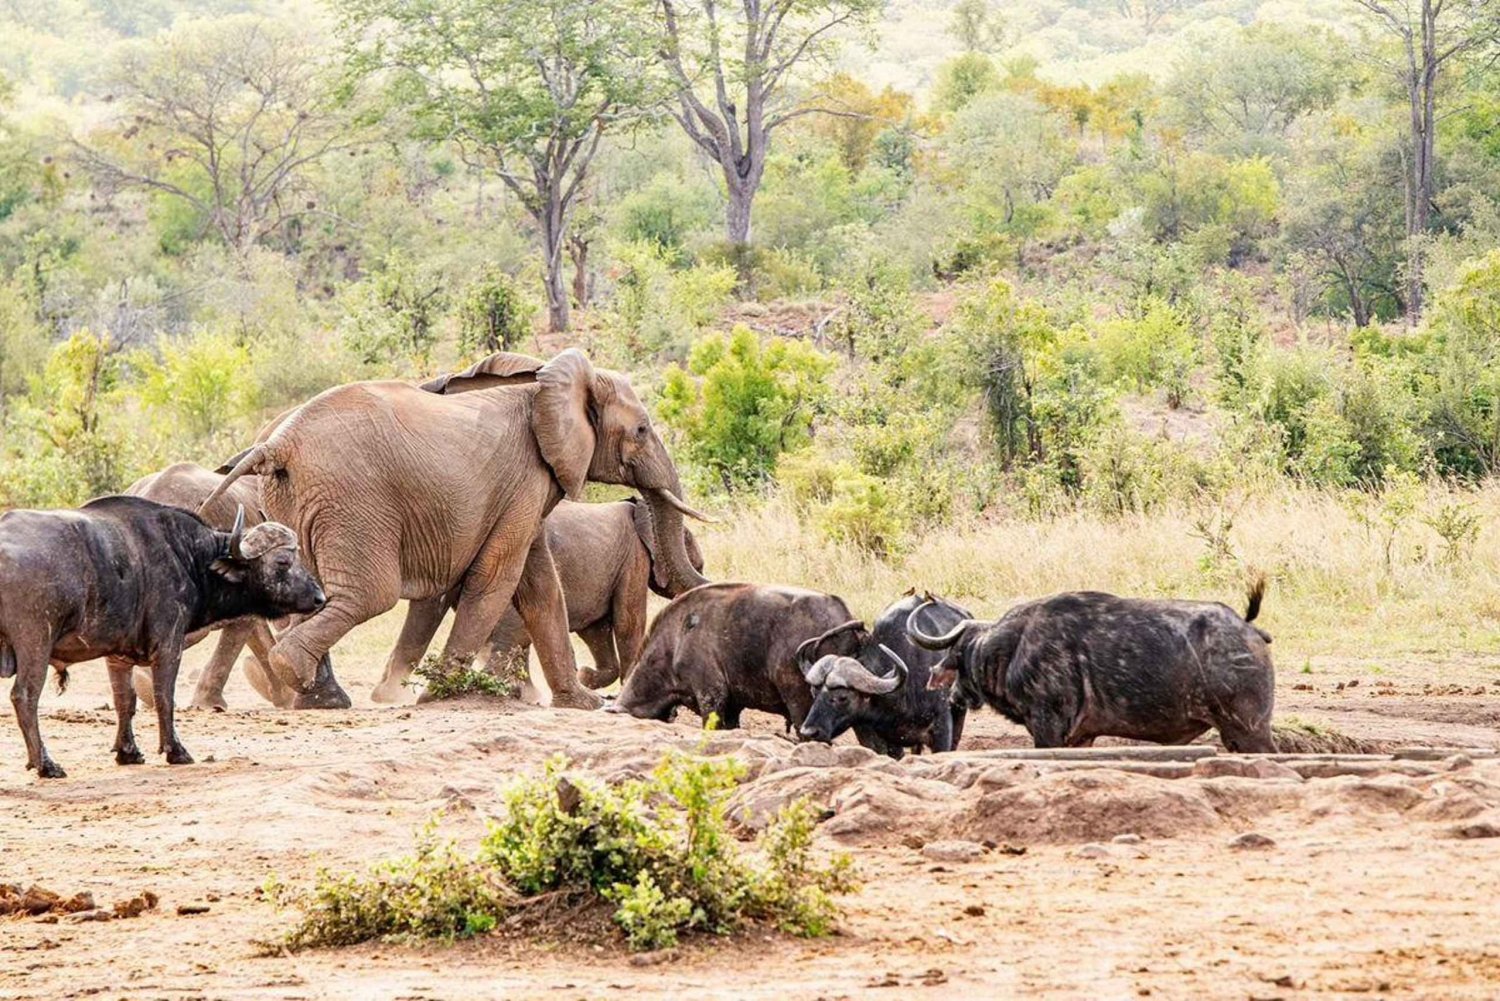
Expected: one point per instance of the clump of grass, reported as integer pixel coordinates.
(1294, 735)
(444, 678)
(657, 850)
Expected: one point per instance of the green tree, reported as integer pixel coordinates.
(526, 89)
(732, 66)
(202, 382)
(977, 26)
(740, 403)
(225, 116)
(962, 79)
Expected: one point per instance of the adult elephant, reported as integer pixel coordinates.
(187, 485)
(607, 557)
(398, 491)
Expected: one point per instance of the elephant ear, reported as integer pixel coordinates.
(560, 419)
(499, 369)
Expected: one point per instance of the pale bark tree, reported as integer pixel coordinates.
(525, 88)
(732, 65)
(1430, 35)
(226, 116)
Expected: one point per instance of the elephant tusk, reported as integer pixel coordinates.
(681, 505)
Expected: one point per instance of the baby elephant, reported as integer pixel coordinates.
(127, 579)
(1085, 664)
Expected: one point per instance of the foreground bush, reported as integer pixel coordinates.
(658, 850)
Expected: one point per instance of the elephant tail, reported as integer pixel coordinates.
(257, 459)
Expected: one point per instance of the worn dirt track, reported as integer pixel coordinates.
(1366, 890)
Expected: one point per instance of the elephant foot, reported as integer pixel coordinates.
(131, 756)
(178, 755)
(388, 692)
(323, 698)
(592, 677)
(216, 704)
(576, 698)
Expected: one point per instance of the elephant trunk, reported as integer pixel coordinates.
(668, 524)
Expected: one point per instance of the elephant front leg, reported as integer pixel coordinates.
(121, 683)
(210, 691)
(540, 600)
(422, 621)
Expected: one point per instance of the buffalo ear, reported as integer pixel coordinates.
(229, 569)
(500, 369)
(561, 419)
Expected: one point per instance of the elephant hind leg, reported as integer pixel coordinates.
(209, 693)
(600, 639)
(302, 651)
(422, 621)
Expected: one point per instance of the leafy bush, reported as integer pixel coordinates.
(740, 403)
(658, 849)
(434, 893)
(493, 314)
(442, 679)
(861, 512)
(392, 316)
(662, 308)
(204, 382)
(1154, 349)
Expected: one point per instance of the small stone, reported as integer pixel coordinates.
(975, 910)
(653, 958)
(1094, 851)
(1460, 761)
(189, 909)
(1251, 840)
(814, 755)
(1127, 839)
(98, 914)
(953, 851)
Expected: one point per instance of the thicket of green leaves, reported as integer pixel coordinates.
(1010, 291)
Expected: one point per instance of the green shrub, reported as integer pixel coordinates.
(442, 679)
(1154, 349)
(740, 403)
(493, 314)
(392, 316)
(203, 382)
(434, 893)
(861, 512)
(881, 319)
(658, 849)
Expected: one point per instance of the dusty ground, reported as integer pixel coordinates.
(1366, 890)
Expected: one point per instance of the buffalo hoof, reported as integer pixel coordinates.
(590, 677)
(178, 756)
(577, 698)
(130, 757)
(51, 770)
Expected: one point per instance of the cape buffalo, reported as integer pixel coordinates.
(127, 578)
(723, 648)
(876, 683)
(1085, 664)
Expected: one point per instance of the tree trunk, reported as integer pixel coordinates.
(552, 246)
(741, 195)
(578, 250)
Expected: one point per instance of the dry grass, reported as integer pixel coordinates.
(1330, 595)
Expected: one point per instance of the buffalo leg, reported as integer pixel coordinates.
(209, 694)
(121, 683)
(25, 693)
(600, 639)
(1242, 739)
(421, 625)
(164, 681)
(958, 714)
(1048, 729)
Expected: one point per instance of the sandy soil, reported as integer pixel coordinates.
(1366, 890)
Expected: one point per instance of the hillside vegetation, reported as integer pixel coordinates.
(1045, 280)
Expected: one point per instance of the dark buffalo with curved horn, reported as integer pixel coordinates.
(876, 683)
(127, 579)
(723, 648)
(1085, 664)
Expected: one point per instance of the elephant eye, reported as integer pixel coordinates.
(642, 430)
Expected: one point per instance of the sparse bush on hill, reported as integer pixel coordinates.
(657, 850)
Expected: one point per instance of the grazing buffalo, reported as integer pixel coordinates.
(876, 683)
(127, 579)
(723, 648)
(1081, 665)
